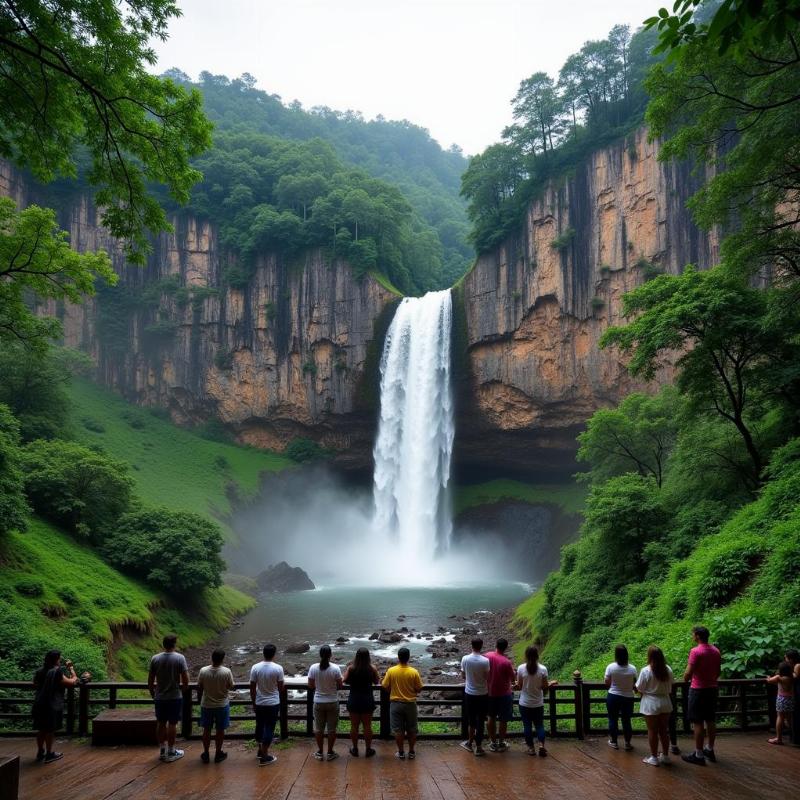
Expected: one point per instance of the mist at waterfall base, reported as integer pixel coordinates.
(313, 518)
(401, 535)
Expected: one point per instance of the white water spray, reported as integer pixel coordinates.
(415, 434)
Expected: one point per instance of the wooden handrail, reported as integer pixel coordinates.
(573, 703)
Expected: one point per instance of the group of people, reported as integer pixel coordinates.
(489, 684)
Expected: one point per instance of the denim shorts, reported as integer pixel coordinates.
(219, 718)
(169, 710)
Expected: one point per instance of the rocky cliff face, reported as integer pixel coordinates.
(534, 309)
(290, 354)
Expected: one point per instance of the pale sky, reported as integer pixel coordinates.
(451, 66)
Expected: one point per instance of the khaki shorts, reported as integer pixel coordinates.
(326, 715)
(403, 717)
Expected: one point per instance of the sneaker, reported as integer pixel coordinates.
(370, 752)
(531, 751)
(51, 757)
(319, 755)
(267, 759)
(333, 755)
(204, 757)
(174, 755)
(613, 745)
(479, 751)
(411, 755)
(354, 752)
(40, 754)
(494, 747)
(220, 756)
(709, 754)
(466, 745)
(627, 747)
(542, 752)
(651, 760)
(675, 750)
(693, 758)
(664, 760)
(163, 755)
(400, 754)
(503, 746)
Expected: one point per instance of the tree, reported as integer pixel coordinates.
(13, 505)
(733, 353)
(637, 436)
(36, 259)
(34, 386)
(177, 551)
(538, 107)
(75, 91)
(79, 489)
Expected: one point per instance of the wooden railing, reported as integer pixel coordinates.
(571, 709)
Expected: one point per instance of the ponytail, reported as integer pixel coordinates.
(324, 657)
(532, 660)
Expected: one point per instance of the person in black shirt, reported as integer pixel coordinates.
(48, 703)
(361, 676)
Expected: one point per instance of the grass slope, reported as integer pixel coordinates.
(569, 497)
(59, 593)
(172, 466)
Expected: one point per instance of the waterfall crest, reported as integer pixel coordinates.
(415, 434)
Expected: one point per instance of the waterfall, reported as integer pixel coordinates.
(415, 433)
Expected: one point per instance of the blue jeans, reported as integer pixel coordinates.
(266, 717)
(619, 706)
(532, 718)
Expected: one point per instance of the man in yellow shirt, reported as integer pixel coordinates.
(403, 684)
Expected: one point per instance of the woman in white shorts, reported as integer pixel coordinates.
(654, 684)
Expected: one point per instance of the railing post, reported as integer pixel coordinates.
(743, 697)
(83, 709)
(187, 713)
(112, 697)
(464, 720)
(71, 710)
(553, 708)
(687, 727)
(310, 711)
(284, 713)
(673, 719)
(772, 692)
(583, 722)
(384, 726)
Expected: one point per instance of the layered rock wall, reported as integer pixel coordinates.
(286, 355)
(536, 306)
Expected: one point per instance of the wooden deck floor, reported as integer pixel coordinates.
(747, 767)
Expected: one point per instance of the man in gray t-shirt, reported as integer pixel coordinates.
(168, 676)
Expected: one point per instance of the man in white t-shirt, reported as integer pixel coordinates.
(266, 685)
(475, 671)
(325, 680)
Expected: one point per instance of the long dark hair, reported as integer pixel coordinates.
(324, 657)
(657, 662)
(361, 666)
(51, 658)
(621, 655)
(532, 659)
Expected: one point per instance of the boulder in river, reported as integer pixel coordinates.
(389, 637)
(298, 647)
(283, 578)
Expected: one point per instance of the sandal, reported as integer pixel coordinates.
(775, 741)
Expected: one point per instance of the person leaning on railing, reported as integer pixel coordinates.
(48, 703)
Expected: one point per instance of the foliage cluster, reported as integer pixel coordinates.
(598, 97)
(398, 152)
(693, 512)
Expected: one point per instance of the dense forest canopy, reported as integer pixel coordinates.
(598, 96)
(334, 154)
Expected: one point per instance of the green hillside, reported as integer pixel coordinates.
(172, 466)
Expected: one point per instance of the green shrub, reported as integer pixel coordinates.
(30, 587)
(648, 268)
(75, 487)
(13, 505)
(726, 576)
(236, 277)
(215, 431)
(563, 241)
(93, 425)
(309, 368)
(753, 646)
(178, 551)
(68, 595)
(598, 303)
(223, 360)
(302, 449)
